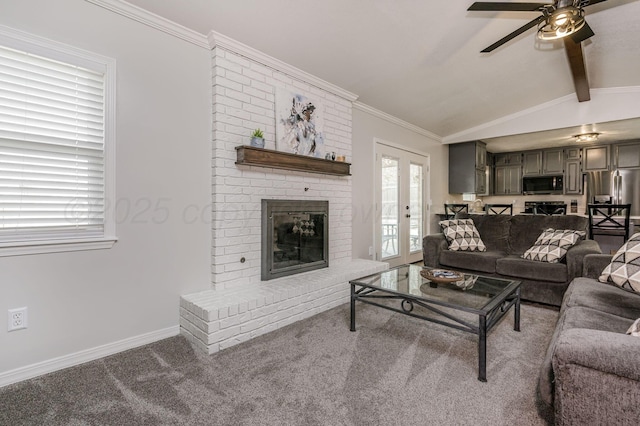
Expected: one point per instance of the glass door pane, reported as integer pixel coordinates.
(390, 193)
(415, 207)
(401, 194)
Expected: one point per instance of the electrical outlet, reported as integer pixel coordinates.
(17, 319)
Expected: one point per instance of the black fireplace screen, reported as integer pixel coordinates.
(295, 237)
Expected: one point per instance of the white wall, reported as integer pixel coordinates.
(366, 128)
(81, 300)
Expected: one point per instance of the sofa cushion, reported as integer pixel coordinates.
(552, 245)
(592, 319)
(515, 266)
(624, 269)
(473, 261)
(602, 297)
(493, 229)
(525, 229)
(462, 235)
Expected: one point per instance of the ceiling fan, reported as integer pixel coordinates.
(560, 19)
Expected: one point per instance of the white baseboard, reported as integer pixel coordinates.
(66, 361)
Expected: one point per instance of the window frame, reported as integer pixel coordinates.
(41, 46)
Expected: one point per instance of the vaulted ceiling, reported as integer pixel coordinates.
(420, 60)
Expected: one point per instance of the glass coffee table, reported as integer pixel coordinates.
(473, 304)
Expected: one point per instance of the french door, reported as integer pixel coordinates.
(401, 194)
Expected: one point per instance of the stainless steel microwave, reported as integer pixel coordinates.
(542, 185)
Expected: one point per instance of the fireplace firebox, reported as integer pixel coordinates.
(295, 237)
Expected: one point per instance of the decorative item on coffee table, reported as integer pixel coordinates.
(441, 275)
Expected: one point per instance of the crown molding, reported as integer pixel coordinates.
(227, 43)
(152, 20)
(395, 120)
(214, 39)
(618, 90)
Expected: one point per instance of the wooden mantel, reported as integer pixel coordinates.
(252, 156)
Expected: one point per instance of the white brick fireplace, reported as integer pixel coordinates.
(239, 306)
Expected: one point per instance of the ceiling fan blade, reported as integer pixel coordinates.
(581, 35)
(498, 6)
(578, 69)
(514, 34)
(592, 2)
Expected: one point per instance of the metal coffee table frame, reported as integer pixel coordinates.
(488, 316)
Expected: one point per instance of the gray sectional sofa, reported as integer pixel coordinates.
(591, 373)
(507, 238)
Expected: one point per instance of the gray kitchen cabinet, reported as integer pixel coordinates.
(508, 180)
(490, 175)
(543, 162)
(514, 180)
(626, 155)
(531, 163)
(467, 164)
(552, 161)
(596, 158)
(481, 182)
(507, 175)
(481, 156)
(573, 178)
(573, 171)
(573, 153)
(508, 158)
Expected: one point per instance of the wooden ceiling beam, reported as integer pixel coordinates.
(578, 69)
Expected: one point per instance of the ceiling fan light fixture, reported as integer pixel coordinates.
(561, 23)
(586, 137)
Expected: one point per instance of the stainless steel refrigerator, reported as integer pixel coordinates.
(622, 186)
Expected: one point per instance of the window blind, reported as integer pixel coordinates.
(52, 120)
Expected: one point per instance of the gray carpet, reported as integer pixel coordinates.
(395, 370)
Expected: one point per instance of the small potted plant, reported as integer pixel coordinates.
(257, 138)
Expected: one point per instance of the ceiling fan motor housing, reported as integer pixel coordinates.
(564, 18)
(566, 3)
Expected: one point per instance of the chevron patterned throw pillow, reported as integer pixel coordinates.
(624, 269)
(462, 235)
(634, 330)
(552, 245)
